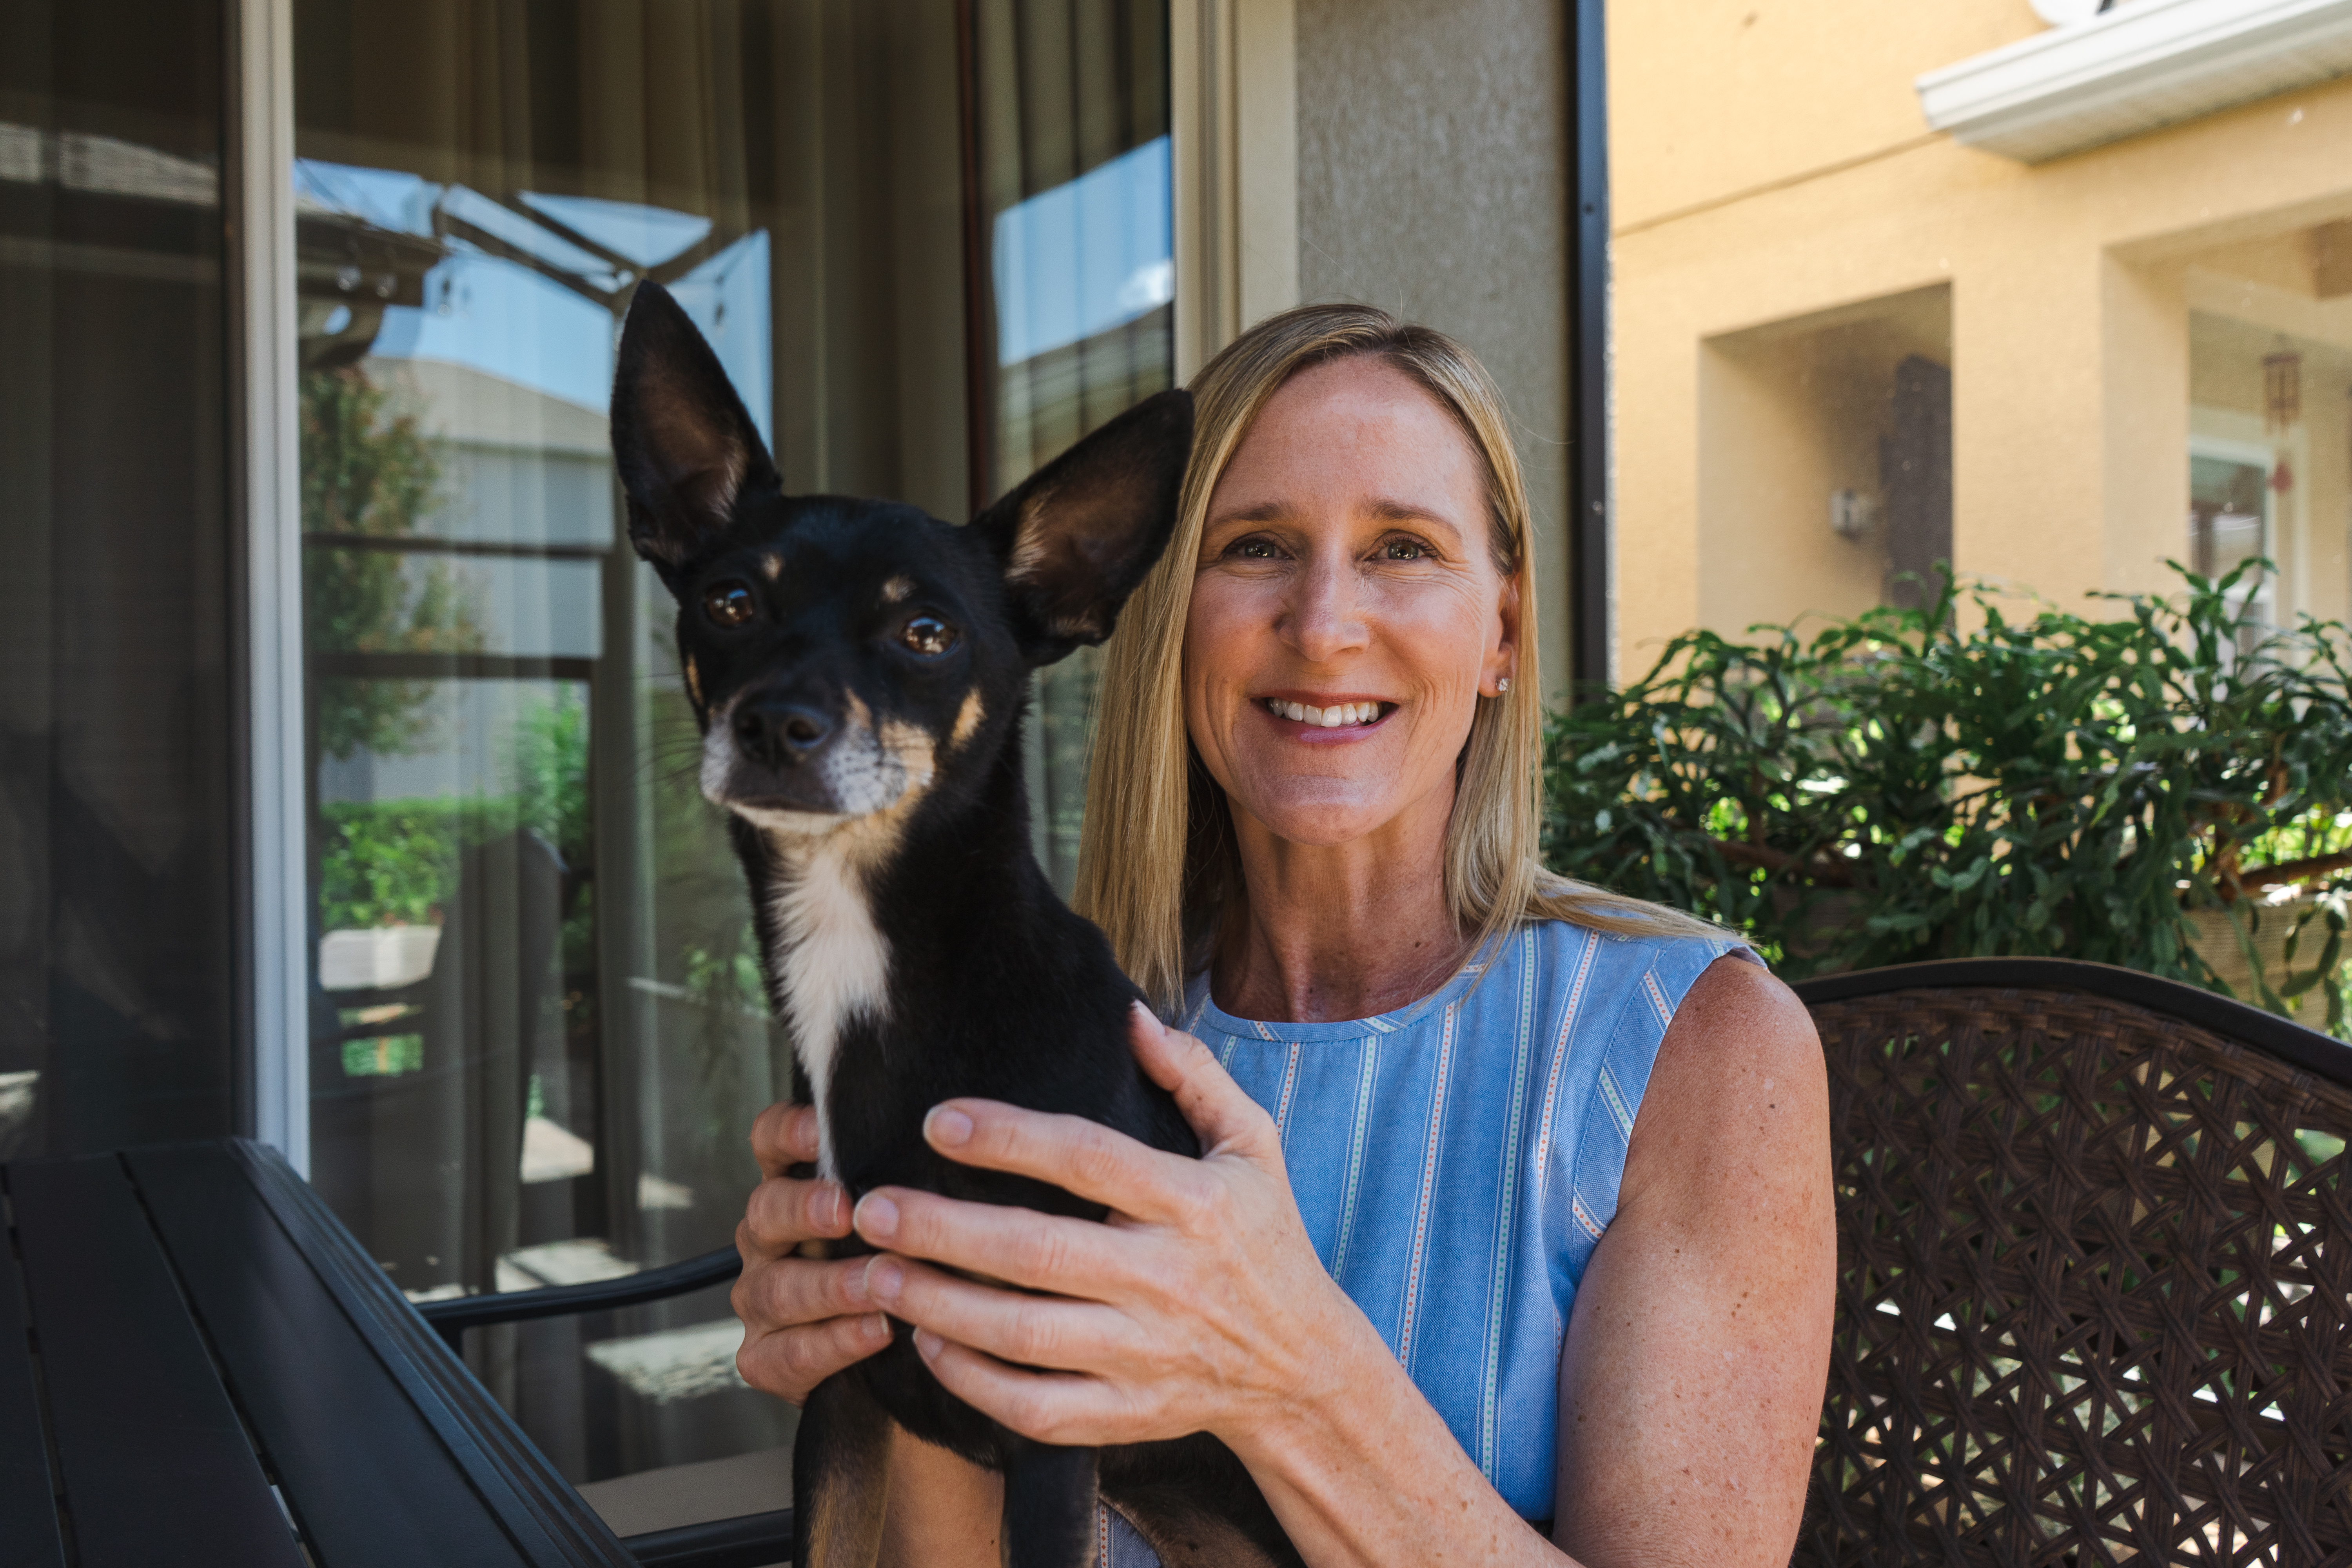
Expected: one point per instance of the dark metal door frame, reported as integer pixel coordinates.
(1590, 511)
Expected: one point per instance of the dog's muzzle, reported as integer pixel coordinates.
(779, 734)
(783, 761)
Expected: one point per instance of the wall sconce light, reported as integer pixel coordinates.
(2281, 390)
(1853, 513)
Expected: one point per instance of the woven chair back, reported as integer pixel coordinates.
(2094, 1266)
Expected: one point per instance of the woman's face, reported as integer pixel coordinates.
(1346, 612)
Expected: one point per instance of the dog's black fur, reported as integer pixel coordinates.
(860, 670)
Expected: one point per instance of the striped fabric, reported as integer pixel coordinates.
(1457, 1161)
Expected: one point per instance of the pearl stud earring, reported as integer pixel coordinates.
(1502, 684)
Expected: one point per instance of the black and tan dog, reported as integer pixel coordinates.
(860, 670)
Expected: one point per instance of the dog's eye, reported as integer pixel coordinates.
(728, 605)
(928, 636)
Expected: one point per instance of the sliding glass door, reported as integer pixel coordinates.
(930, 242)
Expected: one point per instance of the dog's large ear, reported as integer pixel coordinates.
(684, 445)
(1078, 536)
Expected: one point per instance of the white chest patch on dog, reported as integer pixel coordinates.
(834, 964)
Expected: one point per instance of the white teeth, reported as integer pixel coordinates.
(1330, 717)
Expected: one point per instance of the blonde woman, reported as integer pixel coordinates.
(1512, 1240)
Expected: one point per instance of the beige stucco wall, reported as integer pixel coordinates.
(1433, 181)
(1769, 162)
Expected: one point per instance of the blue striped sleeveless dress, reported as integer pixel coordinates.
(1458, 1159)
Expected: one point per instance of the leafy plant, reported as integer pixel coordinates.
(1946, 782)
(369, 475)
(395, 862)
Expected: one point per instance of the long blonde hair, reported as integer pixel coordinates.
(1159, 867)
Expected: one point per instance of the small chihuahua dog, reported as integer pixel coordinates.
(859, 671)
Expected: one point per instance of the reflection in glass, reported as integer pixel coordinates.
(1071, 103)
(119, 953)
(538, 1033)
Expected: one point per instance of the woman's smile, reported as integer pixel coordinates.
(1320, 720)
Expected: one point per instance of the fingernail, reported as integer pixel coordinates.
(926, 1344)
(856, 1289)
(878, 1218)
(884, 1279)
(948, 1127)
(829, 1205)
(878, 1328)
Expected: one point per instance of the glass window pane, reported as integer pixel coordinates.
(1073, 158)
(538, 1033)
(119, 955)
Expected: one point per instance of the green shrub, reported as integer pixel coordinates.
(395, 862)
(1945, 783)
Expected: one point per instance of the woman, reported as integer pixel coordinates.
(1515, 1205)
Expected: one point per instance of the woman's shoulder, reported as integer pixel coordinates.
(1619, 980)
(1679, 952)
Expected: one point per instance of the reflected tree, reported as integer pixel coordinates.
(369, 473)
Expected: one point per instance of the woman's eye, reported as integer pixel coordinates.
(928, 636)
(728, 605)
(1403, 550)
(1254, 550)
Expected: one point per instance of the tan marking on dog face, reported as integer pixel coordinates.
(693, 682)
(896, 589)
(916, 753)
(773, 563)
(968, 718)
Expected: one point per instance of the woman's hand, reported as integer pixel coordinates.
(1199, 1306)
(802, 1320)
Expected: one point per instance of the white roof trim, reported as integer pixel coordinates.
(2147, 63)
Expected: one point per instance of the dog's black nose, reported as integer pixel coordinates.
(780, 733)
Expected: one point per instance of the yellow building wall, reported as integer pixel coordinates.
(1769, 163)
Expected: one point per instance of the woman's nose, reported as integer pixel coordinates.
(1323, 618)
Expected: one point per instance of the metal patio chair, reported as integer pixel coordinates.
(751, 1540)
(2095, 1250)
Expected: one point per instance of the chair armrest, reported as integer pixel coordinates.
(452, 1318)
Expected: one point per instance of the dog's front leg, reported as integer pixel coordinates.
(1049, 1506)
(840, 1475)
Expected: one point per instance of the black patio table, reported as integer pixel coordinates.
(198, 1361)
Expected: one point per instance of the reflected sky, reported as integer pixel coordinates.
(509, 317)
(1085, 256)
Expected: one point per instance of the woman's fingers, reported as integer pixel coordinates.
(791, 1362)
(1067, 1152)
(1034, 1331)
(1228, 1121)
(1044, 1407)
(782, 1212)
(792, 1291)
(1041, 1252)
(782, 1136)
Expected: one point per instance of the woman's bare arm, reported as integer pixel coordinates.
(1690, 1386)
(1690, 1383)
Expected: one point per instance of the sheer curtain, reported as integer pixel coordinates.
(1072, 153)
(119, 953)
(537, 1035)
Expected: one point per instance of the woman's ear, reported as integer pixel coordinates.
(1503, 659)
(683, 444)
(1078, 536)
